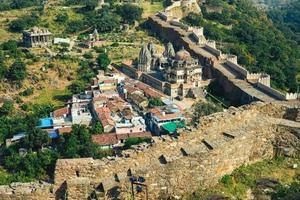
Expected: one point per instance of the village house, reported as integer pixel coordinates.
(62, 117)
(165, 119)
(110, 140)
(80, 109)
(103, 115)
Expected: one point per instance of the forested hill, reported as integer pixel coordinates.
(269, 4)
(242, 29)
(287, 19)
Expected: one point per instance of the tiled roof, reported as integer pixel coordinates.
(148, 91)
(104, 116)
(113, 138)
(110, 81)
(163, 116)
(64, 130)
(60, 112)
(105, 139)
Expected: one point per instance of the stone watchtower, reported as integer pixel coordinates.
(144, 61)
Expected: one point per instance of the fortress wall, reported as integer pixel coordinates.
(223, 142)
(150, 80)
(209, 156)
(292, 96)
(213, 50)
(28, 191)
(236, 67)
(271, 91)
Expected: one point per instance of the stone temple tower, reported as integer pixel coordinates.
(169, 51)
(144, 61)
(151, 48)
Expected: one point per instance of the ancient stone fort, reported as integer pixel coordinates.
(174, 167)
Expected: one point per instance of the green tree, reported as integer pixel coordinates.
(129, 13)
(17, 71)
(91, 4)
(97, 128)
(62, 18)
(23, 23)
(10, 45)
(156, 101)
(76, 87)
(167, 3)
(106, 22)
(35, 139)
(103, 61)
(202, 109)
(7, 108)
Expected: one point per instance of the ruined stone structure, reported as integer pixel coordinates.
(37, 37)
(180, 9)
(172, 168)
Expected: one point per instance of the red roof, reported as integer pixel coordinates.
(105, 139)
(163, 115)
(64, 130)
(152, 93)
(113, 138)
(148, 91)
(61, 112)
(104, 116)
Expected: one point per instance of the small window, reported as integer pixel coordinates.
(77, 173)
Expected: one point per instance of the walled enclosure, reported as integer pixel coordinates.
(223, 142)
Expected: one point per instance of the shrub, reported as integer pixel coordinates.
(27, 92)
(133, 141)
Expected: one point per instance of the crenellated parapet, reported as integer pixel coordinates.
(179, 9)
(195, 41)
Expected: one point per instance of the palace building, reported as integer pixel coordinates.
(174, 73)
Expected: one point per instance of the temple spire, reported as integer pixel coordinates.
(169, 51)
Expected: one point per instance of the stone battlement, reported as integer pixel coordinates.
(210, 56)
(222, 142)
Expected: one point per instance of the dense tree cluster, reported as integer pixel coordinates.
(16, 72)
(287, 19)
(17, 4)
(24, 23)
(106, 19)
(259, 45)
(153, 102)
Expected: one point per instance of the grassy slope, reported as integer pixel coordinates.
(50, 85)
(243, 178)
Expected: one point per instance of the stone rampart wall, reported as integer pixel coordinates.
(28, 191)
(271, 91)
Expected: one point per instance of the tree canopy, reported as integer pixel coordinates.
(129, 13)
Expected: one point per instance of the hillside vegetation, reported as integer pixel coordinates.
(242, 29)
(270, 179)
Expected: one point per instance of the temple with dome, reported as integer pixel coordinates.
(174, 73)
